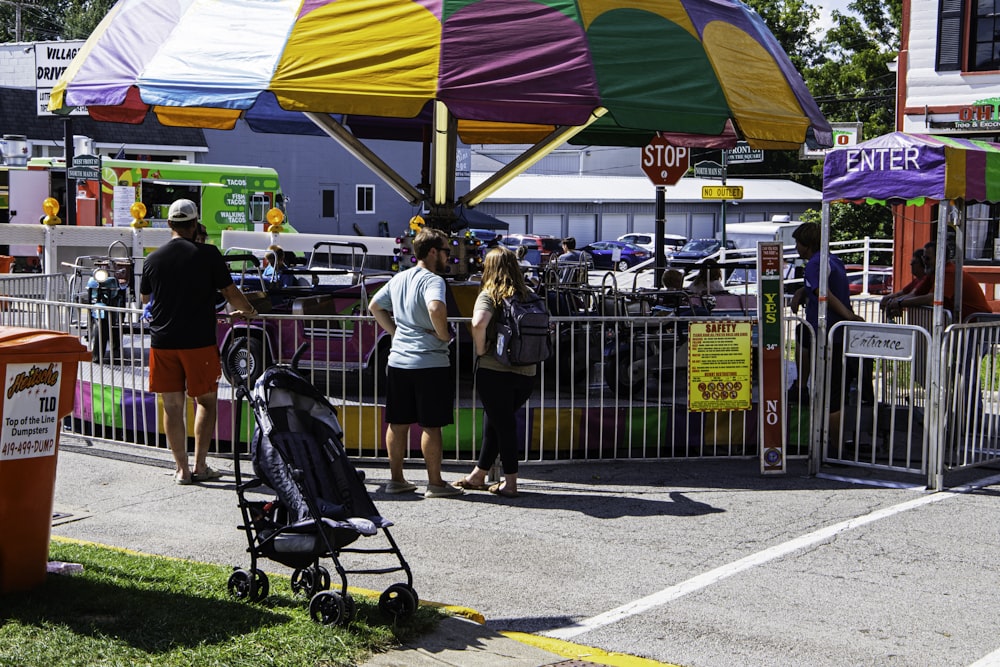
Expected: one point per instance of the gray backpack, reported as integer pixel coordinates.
(522, 331)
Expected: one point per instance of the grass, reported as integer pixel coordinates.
(130, 609)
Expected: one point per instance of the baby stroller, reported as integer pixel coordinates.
(322, 505)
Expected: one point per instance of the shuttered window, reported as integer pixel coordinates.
(949, 43)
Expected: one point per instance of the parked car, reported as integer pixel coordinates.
(698, 249)
(671, 242)
(604, 254)
(485, 236)
(545, 246)
(879, 280)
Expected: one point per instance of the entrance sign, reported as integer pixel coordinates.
(664, 163)
(770, 289)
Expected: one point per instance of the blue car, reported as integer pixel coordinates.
(604, 254)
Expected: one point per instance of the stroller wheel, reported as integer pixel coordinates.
(303, 581)
(322, 578)
(398, 601)
(350, 608)
(244, 586)
(310, 580)
(328, 608)
(261, 586)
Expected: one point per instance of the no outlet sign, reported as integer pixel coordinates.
(664, 163)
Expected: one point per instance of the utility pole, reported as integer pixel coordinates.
(17, 17)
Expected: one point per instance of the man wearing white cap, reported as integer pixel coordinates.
(181, 279)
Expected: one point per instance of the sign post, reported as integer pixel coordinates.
(770, 288)
(664, 164)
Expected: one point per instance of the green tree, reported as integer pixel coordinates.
(49, 20)
(851, 81)
(82, 16)
(31, 20)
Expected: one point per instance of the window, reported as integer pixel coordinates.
(975, 48)
(985, 37)
(328, 201)
(980, 232)
(366, 199)
(949, 43)
(260, 203)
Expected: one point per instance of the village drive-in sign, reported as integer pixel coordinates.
(664, 163)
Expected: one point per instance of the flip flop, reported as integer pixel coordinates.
(464, 483)
(207, 475)
(497, 490)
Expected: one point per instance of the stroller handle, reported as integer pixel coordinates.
(298, 355)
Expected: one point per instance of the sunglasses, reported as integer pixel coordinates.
(446, 250)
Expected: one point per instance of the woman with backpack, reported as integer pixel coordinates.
(502, 388)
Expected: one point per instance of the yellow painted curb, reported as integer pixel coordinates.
(580, 652)
(465, 612)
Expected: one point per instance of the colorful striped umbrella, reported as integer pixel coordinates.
(901, 167)
(508, 70)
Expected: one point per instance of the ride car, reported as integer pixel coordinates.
(616, 255)
(544, 245)
(671, 242)
(317, 293)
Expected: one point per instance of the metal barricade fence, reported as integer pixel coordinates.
(970, 405)
(589, 404)
(881, 419)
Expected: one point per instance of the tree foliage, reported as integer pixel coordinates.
(50, 20)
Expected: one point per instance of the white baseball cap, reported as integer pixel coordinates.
(183, 210)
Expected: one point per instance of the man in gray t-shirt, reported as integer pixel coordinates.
(412, 308)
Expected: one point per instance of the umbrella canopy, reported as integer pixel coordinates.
(510, 71)
(913, 167)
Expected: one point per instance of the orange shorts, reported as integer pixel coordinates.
(197, 370)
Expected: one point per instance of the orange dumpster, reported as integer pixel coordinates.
(39, 372)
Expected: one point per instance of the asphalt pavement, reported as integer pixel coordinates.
(699, 563)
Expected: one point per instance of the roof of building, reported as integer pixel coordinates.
(18, 116)
(529, 187)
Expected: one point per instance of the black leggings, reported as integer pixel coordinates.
(502, 394)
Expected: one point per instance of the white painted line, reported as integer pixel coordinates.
(872, 482)
(991, 660)
(725, 571)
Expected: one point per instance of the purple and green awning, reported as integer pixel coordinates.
(900, 167)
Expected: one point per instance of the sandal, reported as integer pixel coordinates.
(206, 475)
(498, 490)
(464, 483)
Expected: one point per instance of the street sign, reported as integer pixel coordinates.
(87, 161)
(722, 192)
(664, 163)
(707, 169)
(83, 173)
(743, 154)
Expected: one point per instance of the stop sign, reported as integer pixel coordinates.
(665, 163)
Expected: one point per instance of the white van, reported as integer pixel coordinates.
(671, 242)
(745, 235)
